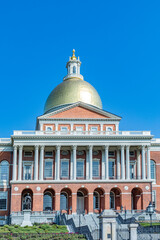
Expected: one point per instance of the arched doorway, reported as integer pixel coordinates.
(27, 199)
(115, 199)
(49, 200)
(98, 200)
(82, 200)
(66, 200)
(137, 198)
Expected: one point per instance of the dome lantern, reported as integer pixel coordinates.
(73, 89)
(73, 68)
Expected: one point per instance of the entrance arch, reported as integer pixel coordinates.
(115, 199)
(137, 199)
(82, 201)
(98, 200)
(66, 200)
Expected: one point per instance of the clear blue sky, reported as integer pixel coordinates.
(118, 43)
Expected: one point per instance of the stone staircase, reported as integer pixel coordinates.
(85, 224)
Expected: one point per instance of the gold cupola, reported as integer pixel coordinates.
(73, 89)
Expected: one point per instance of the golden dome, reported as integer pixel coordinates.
(73, 88)
(71, 91)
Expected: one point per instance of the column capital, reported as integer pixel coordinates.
(58, 147)
(36, 147)
(42, 147)
(122, 147)
(15, 147)
(127, 147)
(106, 147)
(74, 147)
(143, 147)
(90, 147)
(148, 147)
(20, 147)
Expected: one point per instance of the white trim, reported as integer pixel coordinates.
(64, 160)
(48, 160)
(29, 163)
(80, 160)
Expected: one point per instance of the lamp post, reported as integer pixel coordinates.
(150, 211)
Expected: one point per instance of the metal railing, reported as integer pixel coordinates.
(79, 133)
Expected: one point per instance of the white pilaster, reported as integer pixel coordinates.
(14, 176)
(106, 161)
(127, 163)
(71, 165)
(138, 165)
(90, 162)
(143, 163)
(148, 163)
(74, 154)
(58, 148)
(122, 163)
(87, 163)
(20, 163)
(118, 164)
(41, 166)
(103, 165)
(36, 163)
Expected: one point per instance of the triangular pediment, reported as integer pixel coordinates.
(79, 110)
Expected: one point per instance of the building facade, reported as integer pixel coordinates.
(77, 160)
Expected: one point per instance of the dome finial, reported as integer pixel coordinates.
(73, 55)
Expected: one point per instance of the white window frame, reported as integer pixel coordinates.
(64, 128)
(94, 129)
(96, 160)
(28, 156)
(111, 155)
(153, 179)
(79, 129)
(50, 130)
(48, 160)
(111, 160)
(4, 182)
(133, 163)
(109, 129)
(80, 160)
(6, 200)
(27, 163)
(64, 160)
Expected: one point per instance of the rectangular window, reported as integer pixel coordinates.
(132, 170)
(95, 168)
(49, 128)
(64, 129)
(80, 168)
(3, 200)
(64, 168)
(154, 198)
(48, 168)
(111, 154)
(27, 171)
(94, 129)
(79, 129)
(49, 154)
(28, 153)
(111, 168)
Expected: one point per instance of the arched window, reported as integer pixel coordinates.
(96, 200)
(64, 201)
(47, 202)
(27, 201)
(74, 69)
(4, 170)
(112, 200)
(153, 169)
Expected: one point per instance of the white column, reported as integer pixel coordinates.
(20, 164)
(143, 163)
(14, 175)
(58, 148)
(71, 165)
(127, 163)
(74, 154)
(122, 163)
(90, 162)
(41, 166)
(118, 164)
(106, 161)
(36, 163)
(148, 163)
(103, 168)
(87, 163)
(138, 165)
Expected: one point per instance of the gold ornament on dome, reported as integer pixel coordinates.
(73, 55)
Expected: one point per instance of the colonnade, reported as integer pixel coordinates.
(122, 162)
